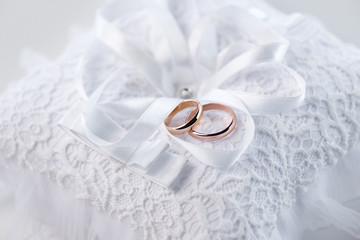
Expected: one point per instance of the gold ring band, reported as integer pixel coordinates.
(217, 135)
(191, 121)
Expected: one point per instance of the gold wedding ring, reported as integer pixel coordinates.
(197, 114)
(216, 135)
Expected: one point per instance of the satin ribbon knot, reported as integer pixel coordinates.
(122, 116)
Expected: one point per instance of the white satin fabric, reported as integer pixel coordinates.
(177, 62)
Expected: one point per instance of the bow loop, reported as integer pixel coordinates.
(148, 54)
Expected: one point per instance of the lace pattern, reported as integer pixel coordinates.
(241, 203)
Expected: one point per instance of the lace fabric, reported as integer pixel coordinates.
(243, 202)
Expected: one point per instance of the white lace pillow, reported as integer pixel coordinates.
(242, 202)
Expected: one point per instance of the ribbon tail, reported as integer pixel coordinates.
(152, 158)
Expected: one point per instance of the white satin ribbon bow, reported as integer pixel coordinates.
(175, 64)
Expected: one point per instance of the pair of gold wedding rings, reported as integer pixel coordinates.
(194, 118)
